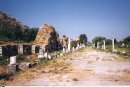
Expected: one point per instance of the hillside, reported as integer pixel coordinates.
(12, 29)
(10, 21)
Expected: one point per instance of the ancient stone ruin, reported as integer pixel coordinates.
(48, 36)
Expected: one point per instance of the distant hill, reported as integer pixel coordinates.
(12, 29)
(10, 21)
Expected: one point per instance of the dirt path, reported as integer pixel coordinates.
(88, 68)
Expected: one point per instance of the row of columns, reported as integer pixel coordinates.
(21, 49)
(42, 49)
(104, 45)
(69, 46)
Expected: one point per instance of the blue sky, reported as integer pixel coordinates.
(108, 18)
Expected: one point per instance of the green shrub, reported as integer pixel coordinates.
(3, 60)
(21, 57)
(74, 44)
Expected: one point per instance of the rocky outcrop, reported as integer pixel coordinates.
(10, 21)
(48, 36)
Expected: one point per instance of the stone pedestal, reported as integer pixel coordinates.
(49, 57)
(40, 56)
(12, 69)
(12, 60)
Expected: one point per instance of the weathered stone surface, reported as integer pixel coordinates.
(48, 36)
(24, 66)
(64, 41)
(13, 68)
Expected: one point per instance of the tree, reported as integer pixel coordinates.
(108, 41)
(126, 40)
(16, 33)
(29, 34)
(83, 38)
(98, 39)
(74, 43)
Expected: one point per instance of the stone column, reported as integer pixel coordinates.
(77, 46)
(113, 47)
(33, 49)
(98, 45)
(69, 45)
(104, 44)
(63, 49)
(93, 45)
(80, 46)
(0, 50)
(45, 55)
(20, 50)
(42, 49)
(73, 48)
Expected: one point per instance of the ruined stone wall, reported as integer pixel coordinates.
(48, 36)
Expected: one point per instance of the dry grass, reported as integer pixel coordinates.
(3, 69)
(48, 67)
(122, 58)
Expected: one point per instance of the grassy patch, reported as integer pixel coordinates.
(124, 53)
(3, 61)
